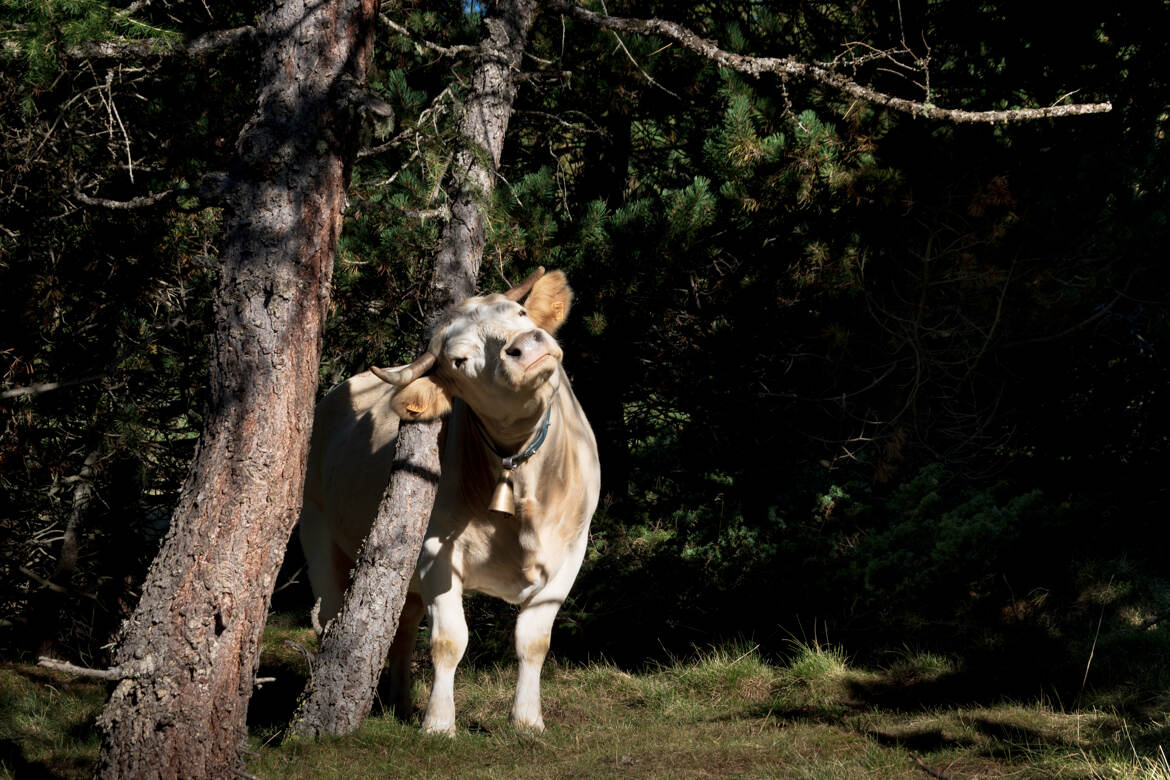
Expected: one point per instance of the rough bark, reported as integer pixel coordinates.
(353, 648)
(188, 654)
(483, 125)
(345, 675)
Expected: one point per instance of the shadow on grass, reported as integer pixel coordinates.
(274, 703)
(979, 682)
(929, 740)
(13, 761)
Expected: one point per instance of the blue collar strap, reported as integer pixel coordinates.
(512, 461)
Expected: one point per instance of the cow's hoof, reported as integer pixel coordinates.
(441, 729)
(534, 727)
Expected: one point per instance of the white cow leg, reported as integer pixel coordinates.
(533, 628)
(448, 641)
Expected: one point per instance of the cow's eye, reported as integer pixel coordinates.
(458, 362)
(523, 313)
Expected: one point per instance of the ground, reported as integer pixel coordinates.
(722, 713)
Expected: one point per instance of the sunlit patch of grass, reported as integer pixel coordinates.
(917, 666)
(735, 672)
(816, 676)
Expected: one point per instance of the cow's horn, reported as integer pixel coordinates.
(406, 374)
(522, 289)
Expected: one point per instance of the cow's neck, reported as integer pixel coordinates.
(511, 438)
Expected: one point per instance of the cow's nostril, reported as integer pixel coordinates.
(513, 352)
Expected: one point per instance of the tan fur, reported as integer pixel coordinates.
(548, 303)
(423, 399)
(444, 652)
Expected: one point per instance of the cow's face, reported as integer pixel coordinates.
(498, 355)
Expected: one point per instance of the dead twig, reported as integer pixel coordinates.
(302, 649)
(922, 765)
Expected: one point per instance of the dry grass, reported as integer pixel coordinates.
(725, 713)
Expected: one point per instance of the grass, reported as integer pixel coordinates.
(727, 712)
(46, 723)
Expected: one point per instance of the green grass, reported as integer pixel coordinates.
(726, 712)
(46, 723)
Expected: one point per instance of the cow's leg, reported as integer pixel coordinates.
(448, 641)
(328, 565)
(533, 629)
(401, 654)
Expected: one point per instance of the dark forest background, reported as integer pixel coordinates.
(856, 375)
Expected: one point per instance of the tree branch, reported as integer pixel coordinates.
(116, 673)
(789, 67)
(446, 51)
(45, 387)
(133, 48)
(134, 203)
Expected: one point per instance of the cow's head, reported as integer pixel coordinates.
(496, 352)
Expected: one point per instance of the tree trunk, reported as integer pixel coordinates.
(483, 125)
(188, 655)
(353, 649)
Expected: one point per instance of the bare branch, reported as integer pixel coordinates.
(446, 51)
(134, 48)
(45, 387)
(134, 203)
(790, 67)
(115, 673)
(44, 583)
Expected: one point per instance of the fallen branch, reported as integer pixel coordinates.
(115, 673)
(790, 67)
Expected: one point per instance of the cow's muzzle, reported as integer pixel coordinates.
(527, 349)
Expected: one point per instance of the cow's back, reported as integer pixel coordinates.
(350, 456)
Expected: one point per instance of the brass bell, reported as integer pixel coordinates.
(503, 500)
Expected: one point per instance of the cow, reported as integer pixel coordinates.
(520, 481)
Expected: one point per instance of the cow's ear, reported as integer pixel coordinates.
(548, 303)
(422, 399)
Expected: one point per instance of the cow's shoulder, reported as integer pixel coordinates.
(362, 401)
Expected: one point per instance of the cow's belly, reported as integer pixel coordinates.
(491, 559)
